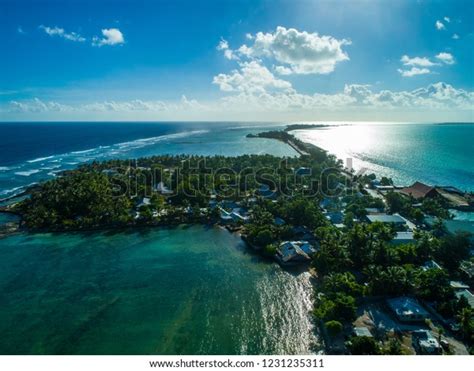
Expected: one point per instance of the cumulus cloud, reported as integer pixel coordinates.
(354, 97)
(413, 71)
(447, 19)
(37, 105)
(439, 96)
(59, 32)
(282, 70)
(110, 36)
(20, 30)
(300, 52)
(416, 61)
(446, 58)
(439, 25)
(224, 46)
(252, 77)
(455, 36)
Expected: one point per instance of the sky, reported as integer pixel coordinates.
(237, 60)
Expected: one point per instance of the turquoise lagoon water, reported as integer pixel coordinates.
(148, 292)
(187, 290)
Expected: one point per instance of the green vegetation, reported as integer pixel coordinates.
(354, 260)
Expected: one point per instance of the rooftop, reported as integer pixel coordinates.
(419, 190)
(362, 331)
(386, 218)
(467, 295)
(405, 306)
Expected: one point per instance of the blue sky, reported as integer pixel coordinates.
(237, 60)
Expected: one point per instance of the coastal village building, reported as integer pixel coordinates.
(419, 191)
(467, 295)
(467, 269)
(407, 309)
(431, 264)
(362, 331)
(458, 285)
(294, 252)
(145, 201)
(426, 342)
(279, 221)
(160, 187)
(402, 238)
(395, 219)
(335, 217)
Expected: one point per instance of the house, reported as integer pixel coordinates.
(303, 171)
(302, 232)
(430, 264)
(160, 187)
(294, 252)
(402, 238)
(467, 295)
(407, 309)
(419, 191)
(336, 217)
(454, 226)
(239, 215)
(279, 221)
(362, 331)
(425, 342)
(264, 191)
(458, 285)
(467, 269)
(384, 188)
(386, 218)
(331, 203)
(145, 201)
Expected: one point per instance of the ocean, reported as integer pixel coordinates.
(32, 152)
(437, 154)
(150, 291)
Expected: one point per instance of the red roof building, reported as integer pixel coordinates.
(419, 190)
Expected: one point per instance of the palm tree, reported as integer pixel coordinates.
(466, 321)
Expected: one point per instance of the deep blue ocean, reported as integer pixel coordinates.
(433, 153)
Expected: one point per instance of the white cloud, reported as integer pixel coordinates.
(302, 52)
(37, 105)
(439, 25)
(57, 31)
(447, 19)
(224, 46)
(413, 71)
(445, 58)
(282, 70)
(111, 36)
(438, 97)
(251, 78)
(416, 61)
(455, 36)
(20, 30)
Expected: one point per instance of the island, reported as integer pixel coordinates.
(389, 276)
